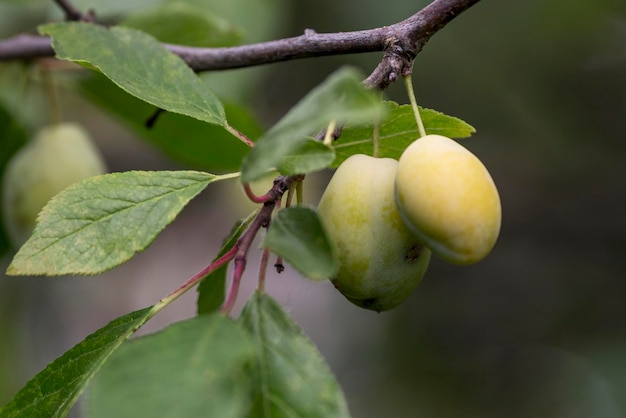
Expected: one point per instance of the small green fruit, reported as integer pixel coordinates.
(380, 261)
(57, 157)
(448, 199)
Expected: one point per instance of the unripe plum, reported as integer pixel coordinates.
(58, 156)
(448, 199)
(380, 260)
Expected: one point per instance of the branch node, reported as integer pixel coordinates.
(72, 13)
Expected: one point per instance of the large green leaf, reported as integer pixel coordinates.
(341, 97)
(53, 391)
(308, 157)
(194, 368)
(297, 235)
(397, 131)
(291, 377)
(137, 63)
(183, 23)
(194, 143)
(103, 221)
(260, 20)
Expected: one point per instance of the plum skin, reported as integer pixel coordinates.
(58, 156)
(448, 199)
(380, 260)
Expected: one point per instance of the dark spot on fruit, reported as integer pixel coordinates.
(413, 254)
(369, 302)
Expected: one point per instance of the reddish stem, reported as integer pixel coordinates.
(240, 266)
(256, 199)
(243, 245)
(197, 278)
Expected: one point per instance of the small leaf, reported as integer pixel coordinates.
(297, 235)
(53, 391)
(342, 97)
(211, 290)
(292, 378)
(310, 156)
(187, 24)
(103, 221)
(192, 142)
(137, 63)
(397, 131)
(194, 368)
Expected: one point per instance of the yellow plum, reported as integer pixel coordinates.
(448, 199)
(380, 260)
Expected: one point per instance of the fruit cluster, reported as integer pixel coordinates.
(385, 217)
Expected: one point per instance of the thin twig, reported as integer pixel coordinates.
(243, 245)
(73, 13)
(262, 220)
(254, 198)
(197, 278)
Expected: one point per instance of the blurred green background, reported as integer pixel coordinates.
(538, 329)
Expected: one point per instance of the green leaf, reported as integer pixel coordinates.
(297, 235)
(194, 368)
(211, 290)
(341, 97)
(260, 20)
(182, 23)
(190, 141)
(53, 391)
(103, 221)
(12, 137)
(137, 63)
(397, 131)
(310, 156)
(291, 377)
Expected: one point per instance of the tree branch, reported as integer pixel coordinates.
(404, 39)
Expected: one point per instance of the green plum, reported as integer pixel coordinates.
(448, 199)
(380, 260)
(58, 156)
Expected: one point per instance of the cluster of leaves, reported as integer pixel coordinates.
(261, 364)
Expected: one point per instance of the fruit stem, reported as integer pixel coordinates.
(23, 86)
(263, 270)
(51, 93)
(408, 82)
(299, 195)
(328, 136)
(376, 138)
(290, 193)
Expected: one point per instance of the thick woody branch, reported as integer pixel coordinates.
(407, 37)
